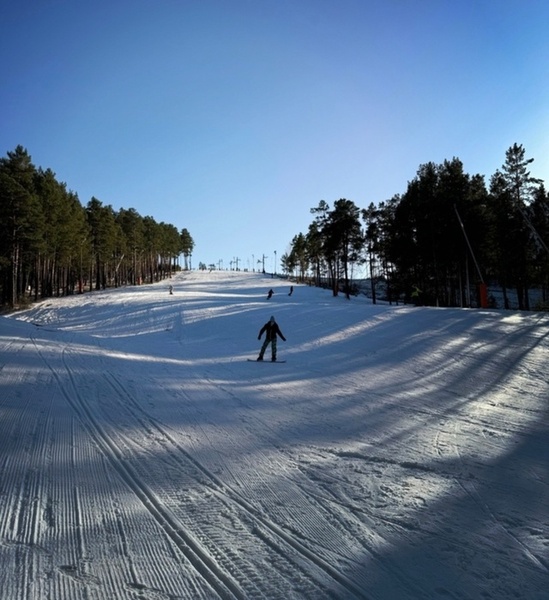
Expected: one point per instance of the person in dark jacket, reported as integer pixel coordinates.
(271, 330)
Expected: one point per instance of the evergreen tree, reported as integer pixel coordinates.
(298, 257)
(133, 230)
(187, 246)
(385, 219)
(324, 254)
(103, 231)
(340, 239)
(518, 179)
(287, 262)
(152, 244)
(170, 248)
(48, 241)
(21, 223)
(346, 237)
(539, 210)
(446, 232)
(521, 186)
(313, 241)
(372, 236)
(64, 233)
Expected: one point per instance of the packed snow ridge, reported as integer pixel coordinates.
(400, 453)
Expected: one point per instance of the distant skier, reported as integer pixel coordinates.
(271, 330)
(270, 294)
(291, 290)
(171, 290)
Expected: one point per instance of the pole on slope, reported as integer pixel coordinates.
(482, 286)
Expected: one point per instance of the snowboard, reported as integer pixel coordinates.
(268, 360)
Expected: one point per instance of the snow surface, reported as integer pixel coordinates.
(399, 453)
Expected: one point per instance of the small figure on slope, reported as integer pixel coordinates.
(270, 294)
(271, 330)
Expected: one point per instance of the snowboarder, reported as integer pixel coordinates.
(291, 290)
(270, 294)
(271, 330)
(171, 290)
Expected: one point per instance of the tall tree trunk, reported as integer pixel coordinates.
(14, 273)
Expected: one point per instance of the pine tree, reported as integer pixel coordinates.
(521, 186)
(187, 246)
(21, 223)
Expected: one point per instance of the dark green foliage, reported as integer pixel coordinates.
(21, 223)
(187, 246)
(336, 241)
(430, 250)
(297, 260)
(442, 236)
(51, 245)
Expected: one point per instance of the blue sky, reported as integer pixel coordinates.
(233, 118)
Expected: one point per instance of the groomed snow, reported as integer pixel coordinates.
(400, 453)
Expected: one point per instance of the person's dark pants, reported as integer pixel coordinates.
(273, 348)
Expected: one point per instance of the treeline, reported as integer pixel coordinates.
(445, 236)
(51, 245)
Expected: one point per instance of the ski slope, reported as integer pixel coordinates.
(400, 453)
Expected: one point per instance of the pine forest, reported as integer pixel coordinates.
(445, 241)
(51, 245)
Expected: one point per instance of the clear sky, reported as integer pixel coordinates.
(233, 118)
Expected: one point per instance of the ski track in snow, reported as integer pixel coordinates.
(399, 453)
